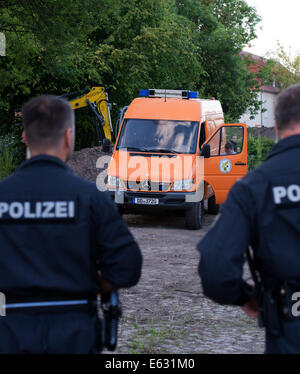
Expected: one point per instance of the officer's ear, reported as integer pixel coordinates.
(24, 137)
(277, 133)
(68, 137)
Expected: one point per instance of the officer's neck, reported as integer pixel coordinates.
(288, 132)
(62, 155)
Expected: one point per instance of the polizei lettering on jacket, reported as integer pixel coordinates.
(289, 194)
(40, 210)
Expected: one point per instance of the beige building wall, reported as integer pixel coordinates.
(263, 118)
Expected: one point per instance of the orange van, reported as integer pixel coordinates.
(174, 152)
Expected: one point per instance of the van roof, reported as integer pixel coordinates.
(171, 108)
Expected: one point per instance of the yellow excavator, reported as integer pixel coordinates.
(97, 99)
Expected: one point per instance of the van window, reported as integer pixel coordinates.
(159, 136)
(227, 140)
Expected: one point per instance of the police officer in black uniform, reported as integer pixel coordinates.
(263, 211)
(62, 243)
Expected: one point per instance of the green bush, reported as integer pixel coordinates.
(258, 149)
(12, 153)
(7, 164)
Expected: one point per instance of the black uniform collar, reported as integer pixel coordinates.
(285, 145)
(43, 159)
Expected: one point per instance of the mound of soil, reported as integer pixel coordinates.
(83, 162)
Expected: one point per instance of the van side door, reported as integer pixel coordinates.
(225, 158)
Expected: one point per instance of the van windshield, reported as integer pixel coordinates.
(159, 136)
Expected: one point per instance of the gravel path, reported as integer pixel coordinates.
(167, 312)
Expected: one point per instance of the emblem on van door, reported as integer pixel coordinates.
(225, 166)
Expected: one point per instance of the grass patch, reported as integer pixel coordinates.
(11, 155)
(7, 163)
(152, 338)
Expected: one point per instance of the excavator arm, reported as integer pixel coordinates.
(96, 98)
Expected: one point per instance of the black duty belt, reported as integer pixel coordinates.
(87, 305)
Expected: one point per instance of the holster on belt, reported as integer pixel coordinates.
(270, 313)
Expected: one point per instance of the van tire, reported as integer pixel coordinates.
(194, 216)
(212, 207)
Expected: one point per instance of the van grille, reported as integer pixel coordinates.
(147, 186)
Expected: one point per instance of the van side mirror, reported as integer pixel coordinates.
(106, 146)
(205, 151)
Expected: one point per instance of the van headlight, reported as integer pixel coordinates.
(114, 181)
(183, 185)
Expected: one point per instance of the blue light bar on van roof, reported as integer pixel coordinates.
(144, 93)
(193, 95)
(183, 94)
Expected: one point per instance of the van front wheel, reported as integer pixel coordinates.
(213, 208)
(194, 216)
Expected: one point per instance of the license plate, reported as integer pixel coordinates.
(145, 201)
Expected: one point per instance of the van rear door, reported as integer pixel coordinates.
(227, 161)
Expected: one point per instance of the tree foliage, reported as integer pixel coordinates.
(258, 150)
(55, 46)
(222, 28)
(284, 66)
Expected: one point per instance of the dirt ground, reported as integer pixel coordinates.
(167, 311)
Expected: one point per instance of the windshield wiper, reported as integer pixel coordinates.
(162, 150)
(134, 149)
(137, 149)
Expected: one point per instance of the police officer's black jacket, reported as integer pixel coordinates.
(56, 230)
(262, 210)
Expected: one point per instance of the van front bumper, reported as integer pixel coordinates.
(167, 201)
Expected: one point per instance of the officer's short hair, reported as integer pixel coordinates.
(45, 119)
(287, 112)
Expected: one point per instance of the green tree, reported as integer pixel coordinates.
(55, 47)
(150, 45)
(221, 29)
(48, 51)
(284, 66)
